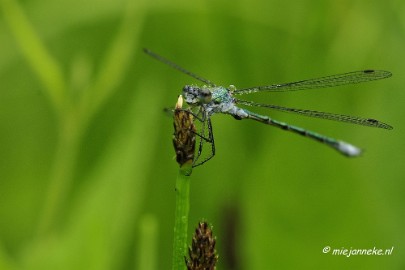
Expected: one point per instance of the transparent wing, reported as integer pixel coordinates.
(179, 68)
(324, 115)
(323, 82)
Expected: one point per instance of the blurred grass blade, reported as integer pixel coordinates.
(73, 125)
(100, 223)
(146, 254)
(6, 262)
(117, 59)
(44, 65)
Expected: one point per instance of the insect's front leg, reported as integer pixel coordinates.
(210, 140)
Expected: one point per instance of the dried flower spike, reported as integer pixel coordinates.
(202, 251)
(184, 134)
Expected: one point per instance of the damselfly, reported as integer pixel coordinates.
(210, 99)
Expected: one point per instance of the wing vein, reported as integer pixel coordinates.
(323, 115)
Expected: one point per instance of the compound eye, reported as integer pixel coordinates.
(205, 92)
(205, 95)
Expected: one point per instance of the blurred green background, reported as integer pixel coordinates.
(86, 161)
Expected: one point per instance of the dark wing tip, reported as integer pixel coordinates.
(368, 71)
(378, 73)
(379, 124)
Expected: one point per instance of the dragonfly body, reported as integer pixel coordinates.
(210, 99)
(220, 100)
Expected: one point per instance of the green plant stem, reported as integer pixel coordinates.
(181, 216)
